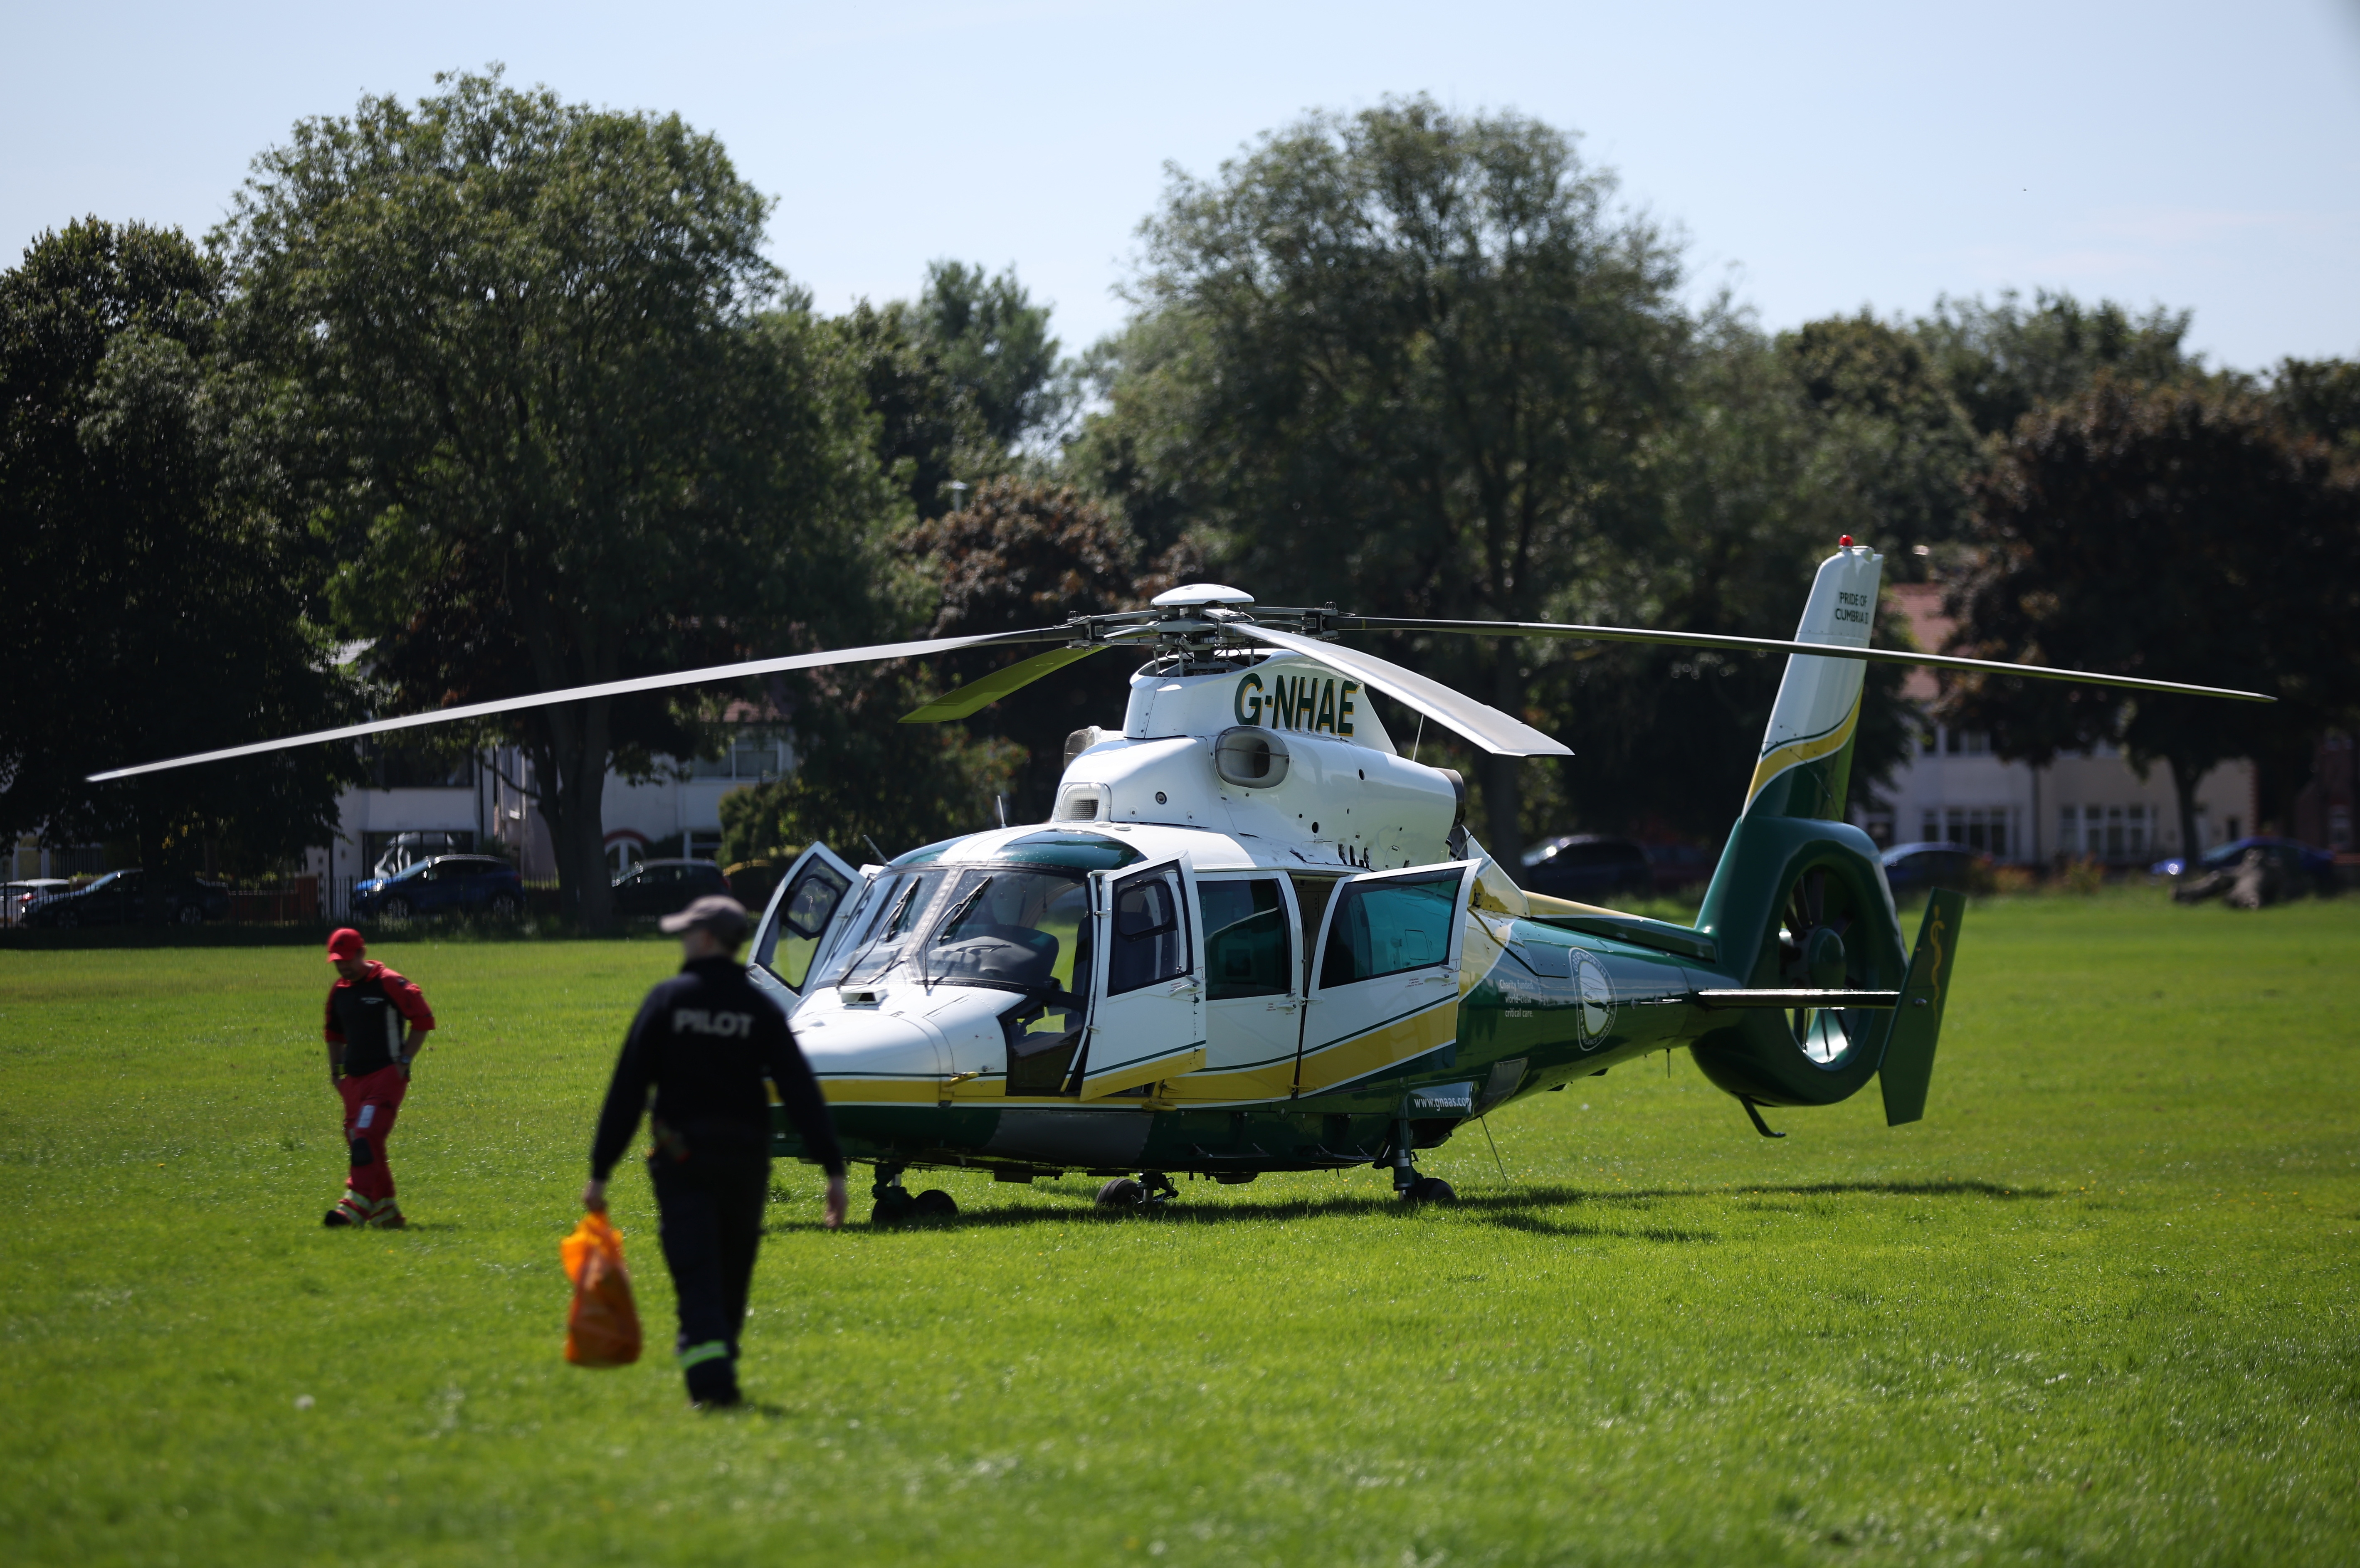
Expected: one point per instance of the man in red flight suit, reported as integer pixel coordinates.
(369, 1061)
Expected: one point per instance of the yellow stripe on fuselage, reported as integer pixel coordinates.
(1796, 753)
(1324, 1067)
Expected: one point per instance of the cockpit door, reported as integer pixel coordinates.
(807, 917)
(1147, 979)
(1384, 976)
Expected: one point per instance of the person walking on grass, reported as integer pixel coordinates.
(368, 1062)
(704, 1041)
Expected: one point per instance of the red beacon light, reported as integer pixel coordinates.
(1844, 542)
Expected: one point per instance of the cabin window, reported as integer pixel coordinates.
(1151, 938)
(790, 942)
(1383, 928)
(1248, 950)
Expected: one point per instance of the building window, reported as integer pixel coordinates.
(1974, 827)
(2109, 832)
(756, 752)
(1988, 828)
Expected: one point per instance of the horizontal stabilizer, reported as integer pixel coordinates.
(977, 695)
(1909, 1066)
(1829, 1001)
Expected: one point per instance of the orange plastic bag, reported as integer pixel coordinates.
(602, 1326)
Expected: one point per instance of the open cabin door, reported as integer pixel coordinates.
(806, 916)
(1147, 979)
(1385, 974)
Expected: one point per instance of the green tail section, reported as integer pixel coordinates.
(1909, 1066)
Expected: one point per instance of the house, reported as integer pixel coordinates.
(416, 803)
(2093, 804)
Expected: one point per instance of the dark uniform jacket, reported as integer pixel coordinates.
(704, 1041)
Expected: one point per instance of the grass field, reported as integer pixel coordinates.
(2099, 1306)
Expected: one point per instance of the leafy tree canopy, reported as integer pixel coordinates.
(2003, 360)
(1405, 359)
(165, 610)
(2167, 531)
(535, 411)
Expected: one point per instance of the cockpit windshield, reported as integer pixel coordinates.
(971, 925)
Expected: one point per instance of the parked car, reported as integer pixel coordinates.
(405, 850)
(660, 886)
(17, 898)
(1678, 866)
(1914, 867)
(448, 884)
(1587, 867)
(124, 898)
(2296, 861)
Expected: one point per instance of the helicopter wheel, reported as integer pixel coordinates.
(934, 1204)
(1429, 1190)
(1123, 1192)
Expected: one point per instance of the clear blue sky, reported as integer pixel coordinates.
(1818, 158)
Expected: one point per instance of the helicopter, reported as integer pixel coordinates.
(1253, 936)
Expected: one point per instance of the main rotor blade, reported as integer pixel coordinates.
(977, 695)
(1488, 727)
(604, 689)
(1774, 645)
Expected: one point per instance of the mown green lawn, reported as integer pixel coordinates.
(2099, 1306)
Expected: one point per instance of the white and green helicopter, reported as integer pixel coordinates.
(1253, 936)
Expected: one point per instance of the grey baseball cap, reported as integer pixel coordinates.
(722, 915)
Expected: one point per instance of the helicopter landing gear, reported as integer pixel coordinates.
(895, 1206)
(1151, 1190)
(1408, 1185)
(893, 1201)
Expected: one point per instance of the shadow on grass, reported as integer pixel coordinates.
(1512, 1209)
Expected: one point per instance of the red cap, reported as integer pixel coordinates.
(1845, 541)
(345, 943)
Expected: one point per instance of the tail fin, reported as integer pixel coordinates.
(1909, 1064)
(1806, 763)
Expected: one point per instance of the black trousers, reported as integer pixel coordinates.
(710, 1222)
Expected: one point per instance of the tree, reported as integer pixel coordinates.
(1405, 360)
(2321, 397)
(862, 780)
(2173, 532)
(1894, 445)
(1022, 553)
(535, 410)
(1755, 483)
(993, 344)
(962, 378)
(162, 610)
(2003, 361)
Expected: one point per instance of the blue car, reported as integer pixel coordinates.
(2296, 861)
(448, 884)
